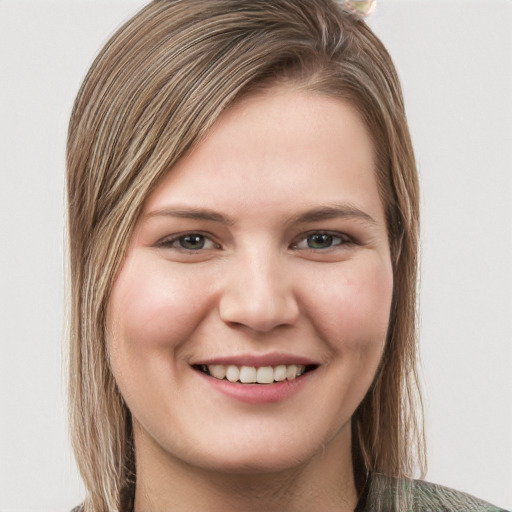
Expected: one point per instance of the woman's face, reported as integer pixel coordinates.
(262, 255)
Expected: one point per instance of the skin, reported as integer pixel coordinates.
(253, 285)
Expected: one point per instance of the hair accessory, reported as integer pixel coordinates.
(360, 7)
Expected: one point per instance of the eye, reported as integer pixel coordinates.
(320, 241)
(189, 242)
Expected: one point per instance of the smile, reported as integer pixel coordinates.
(254, 374)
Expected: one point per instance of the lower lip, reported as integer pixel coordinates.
(258, 393)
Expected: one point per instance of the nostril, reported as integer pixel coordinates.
(259, 294)
(268, 315)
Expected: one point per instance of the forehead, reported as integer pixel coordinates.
(277, 147)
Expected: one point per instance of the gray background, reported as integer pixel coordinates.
(455, 60)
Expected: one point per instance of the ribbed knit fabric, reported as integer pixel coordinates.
(384, 494)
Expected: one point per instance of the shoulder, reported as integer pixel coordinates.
(387, 494)
(438, 497)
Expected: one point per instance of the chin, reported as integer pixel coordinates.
(260, 463)
(271, 452)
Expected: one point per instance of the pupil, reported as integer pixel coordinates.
(319, 241)
(192, 242)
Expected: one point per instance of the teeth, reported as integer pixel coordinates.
(217, 370)
(248, 374)
(252, 374)
(291, 372)
(280, 373)
(232, 373)
(265, 375)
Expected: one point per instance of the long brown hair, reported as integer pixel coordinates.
(151, 94)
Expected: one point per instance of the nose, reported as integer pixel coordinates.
(258, 294)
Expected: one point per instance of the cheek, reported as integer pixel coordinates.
(352, 304)
(351, 314)
(152, 310)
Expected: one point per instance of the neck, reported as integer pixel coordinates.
(325, 482)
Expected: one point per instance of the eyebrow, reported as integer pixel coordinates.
(334, 211)
(191, 213)
(318, 214)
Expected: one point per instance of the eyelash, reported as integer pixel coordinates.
(343, 240)
(170, 243)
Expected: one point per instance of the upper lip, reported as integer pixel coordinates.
(258, 360)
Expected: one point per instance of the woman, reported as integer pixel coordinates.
(243, 209)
